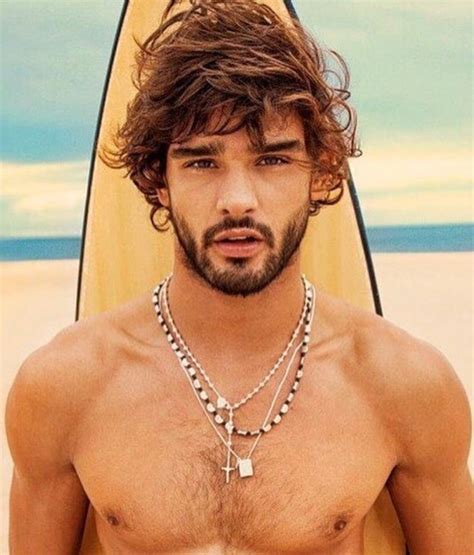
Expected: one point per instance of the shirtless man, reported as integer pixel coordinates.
(105, 412)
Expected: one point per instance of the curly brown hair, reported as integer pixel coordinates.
(238, 60)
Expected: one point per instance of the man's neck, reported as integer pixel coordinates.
(236, 323)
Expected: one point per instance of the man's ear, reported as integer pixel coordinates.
(163, 196)
(318, 190)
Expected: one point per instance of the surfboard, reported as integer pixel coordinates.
(122, 256)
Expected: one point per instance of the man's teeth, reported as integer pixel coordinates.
(237, 238)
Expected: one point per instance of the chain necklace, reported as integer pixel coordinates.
(244, 466)
(221, 400)
(158, 300)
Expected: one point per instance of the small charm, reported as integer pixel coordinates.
(229, 427)
(227, 468)
(245, 468)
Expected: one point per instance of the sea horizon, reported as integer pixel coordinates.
(403, 238)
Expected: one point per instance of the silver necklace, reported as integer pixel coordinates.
(244, 465)
(158, 300)
(221, 400)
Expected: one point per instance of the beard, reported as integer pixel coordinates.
(240, 278)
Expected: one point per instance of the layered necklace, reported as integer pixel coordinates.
(191, 366)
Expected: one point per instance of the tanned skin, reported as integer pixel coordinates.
(104, 414)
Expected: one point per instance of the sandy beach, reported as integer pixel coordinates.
(429, 294)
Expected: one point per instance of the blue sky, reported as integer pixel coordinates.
(411, 74)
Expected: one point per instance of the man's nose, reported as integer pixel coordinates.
(237, 195)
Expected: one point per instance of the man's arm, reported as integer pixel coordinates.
(47, 503)
(431, 487)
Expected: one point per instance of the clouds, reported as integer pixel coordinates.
(411, 86)
(416, 168)
(414, 184)
(409, 73)
(54, 61)
(43, 199)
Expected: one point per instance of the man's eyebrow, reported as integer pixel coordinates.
(267, 148)
(216, 147)
(210, 149)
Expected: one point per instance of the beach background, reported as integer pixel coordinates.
(411, 86)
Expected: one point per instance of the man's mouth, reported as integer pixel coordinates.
(238, 236)
(239, 240)
(238, 243)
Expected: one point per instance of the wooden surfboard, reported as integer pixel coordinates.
(122, 256)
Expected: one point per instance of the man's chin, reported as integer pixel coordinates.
(234, 287)
(244, 263)
(239, 276)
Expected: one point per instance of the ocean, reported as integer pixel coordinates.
(427, 238)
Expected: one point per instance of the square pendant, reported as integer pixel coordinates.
(245, 468)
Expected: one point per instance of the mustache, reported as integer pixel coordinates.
(233, 223)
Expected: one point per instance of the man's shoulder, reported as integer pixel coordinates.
(58, 382)
(398, 359)
(388, 362)
(409, 382)
(50, 391)
(81, 357)
(61, 370)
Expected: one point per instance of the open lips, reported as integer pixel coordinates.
(238, 235)
(238, 243)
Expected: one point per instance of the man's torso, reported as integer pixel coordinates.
(151, 464)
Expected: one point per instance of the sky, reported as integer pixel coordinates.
(411, 83)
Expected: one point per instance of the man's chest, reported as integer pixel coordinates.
(153, 468)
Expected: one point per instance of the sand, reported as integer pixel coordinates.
(428, 294)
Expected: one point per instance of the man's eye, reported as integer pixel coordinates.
(272, 161)
(200, 164)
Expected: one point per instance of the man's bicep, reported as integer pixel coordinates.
(431, 487)
(435, 513)
(47, 503)
(46, 515)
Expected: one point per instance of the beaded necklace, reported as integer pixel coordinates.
(221, 401)
(244, 465)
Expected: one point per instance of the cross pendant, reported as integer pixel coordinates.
(227, 468)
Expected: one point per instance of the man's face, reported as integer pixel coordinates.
(239, 214)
